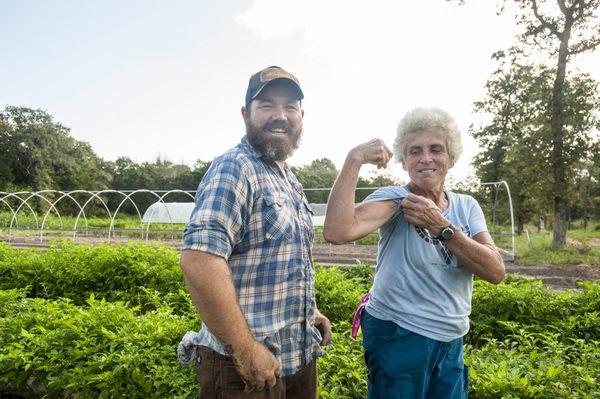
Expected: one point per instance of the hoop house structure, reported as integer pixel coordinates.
(82, 215)
(125, 215)
(167, 213)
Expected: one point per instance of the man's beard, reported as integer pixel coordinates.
(273, 147)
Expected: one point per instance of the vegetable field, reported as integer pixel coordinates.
(79, 321)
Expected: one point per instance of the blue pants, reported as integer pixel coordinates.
(403, 364)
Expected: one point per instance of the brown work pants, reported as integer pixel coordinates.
(218, 379)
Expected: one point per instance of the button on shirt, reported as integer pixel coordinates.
(255, 216)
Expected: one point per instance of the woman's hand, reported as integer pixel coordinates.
(374, 152)
(424, 213)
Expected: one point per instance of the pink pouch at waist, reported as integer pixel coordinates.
(358, 313)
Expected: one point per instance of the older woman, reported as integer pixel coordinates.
(432, 243)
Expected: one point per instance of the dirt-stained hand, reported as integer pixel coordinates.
(257, 366)
(423, 212)
(374, 152)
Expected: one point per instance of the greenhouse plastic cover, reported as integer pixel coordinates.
(168, 212)
(179, 212)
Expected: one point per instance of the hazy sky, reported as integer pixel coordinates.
(149, 78)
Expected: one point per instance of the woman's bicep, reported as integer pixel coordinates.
(370, 216)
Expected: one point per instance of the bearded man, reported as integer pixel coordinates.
(247, 259)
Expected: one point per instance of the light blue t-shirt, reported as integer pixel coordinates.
(418, 282)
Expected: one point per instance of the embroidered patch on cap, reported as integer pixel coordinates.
(276, 73)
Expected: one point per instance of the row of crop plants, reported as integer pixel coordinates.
(104, 322)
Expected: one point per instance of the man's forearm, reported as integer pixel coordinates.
(208, 279)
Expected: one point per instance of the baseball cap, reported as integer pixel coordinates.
(261, 79)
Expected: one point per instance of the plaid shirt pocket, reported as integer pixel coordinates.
(278, 217)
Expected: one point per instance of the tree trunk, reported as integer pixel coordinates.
(557, 120)
(560, 227)
(586, 200)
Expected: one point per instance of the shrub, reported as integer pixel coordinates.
(337, 296)
(136, 273)
(342, 371)
(529, 304)
(102, 350)
(361, 273)
(526, 341)
(534, 366)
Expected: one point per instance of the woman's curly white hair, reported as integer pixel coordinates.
(423, 119)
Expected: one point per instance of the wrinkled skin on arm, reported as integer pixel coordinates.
(344, 222)
(208, 279)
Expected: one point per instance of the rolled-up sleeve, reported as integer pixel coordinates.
(222, 208)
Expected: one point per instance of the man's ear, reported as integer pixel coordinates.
(244, 114)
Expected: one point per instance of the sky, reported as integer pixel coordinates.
(147, 78)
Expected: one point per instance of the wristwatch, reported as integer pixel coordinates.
(447, 233)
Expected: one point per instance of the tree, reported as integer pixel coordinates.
(379, 179)
(198, 172)
(161, 174)
(569, 29)
(588, 188)
(128, 175)
(516, 141)
(7, 155)
(514, 93)
(38, 153)
(320, 173)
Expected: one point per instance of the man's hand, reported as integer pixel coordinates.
(374, 152)
(324, 326)
(208, 278)
(423, 212)
(257, 366)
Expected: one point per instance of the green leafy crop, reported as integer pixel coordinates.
(104, 322)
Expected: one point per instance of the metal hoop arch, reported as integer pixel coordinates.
(128, 197)
(94, 194)
(39, 195)
(9, 207)
(112, 220)
(161, 200)
(68, 195)
(497, 184)
(16, 195)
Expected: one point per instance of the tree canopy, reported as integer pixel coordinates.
(39, 153)
(544, 115)
(516, 141)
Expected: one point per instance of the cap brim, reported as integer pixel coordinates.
(299, 93)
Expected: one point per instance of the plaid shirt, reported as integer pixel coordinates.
(257, 218)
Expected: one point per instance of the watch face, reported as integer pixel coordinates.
(447, 233)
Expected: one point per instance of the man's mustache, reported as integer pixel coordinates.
(278, 125)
